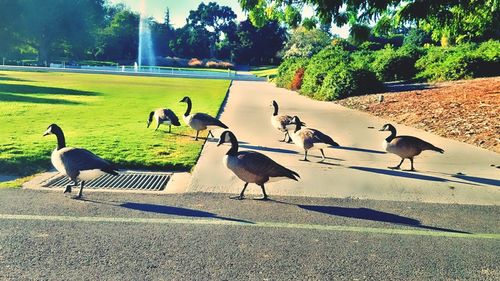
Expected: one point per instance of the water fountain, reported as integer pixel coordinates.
(146, 54)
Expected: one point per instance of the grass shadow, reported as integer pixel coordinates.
(373, 215)
(176, 211)
(2, 78)
(29, 99)
(18, 93)
(29, 89)
(410, 175)
(25, 165)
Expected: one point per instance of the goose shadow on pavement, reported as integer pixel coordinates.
(359, 149)
(410, 175)
(269, 149)
(166, 210)
(487, 181)
(176, 211)
(373, 215)
(368, 214)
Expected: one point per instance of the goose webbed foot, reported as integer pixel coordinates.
(289, 140)
(77, 197)
(304, 160)
(394, 168)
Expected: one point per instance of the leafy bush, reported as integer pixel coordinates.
(460, 62)
(320, 64)
(287, 70)
(416, 38)
(363, 59)
(489, 63)
(391, 64)
(334, 74)
(370, 46)
(345, 81)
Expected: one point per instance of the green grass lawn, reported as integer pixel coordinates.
(264, 71)
(104, 113)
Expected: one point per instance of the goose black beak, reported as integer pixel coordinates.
(45, 134)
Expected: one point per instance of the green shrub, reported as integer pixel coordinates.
(391, 64)
(344, 81)
(363, 59)
(489, 63)
(319, 65)
(416, 38)
(460, 62)
(287, 70)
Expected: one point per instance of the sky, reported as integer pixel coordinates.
(179, 10)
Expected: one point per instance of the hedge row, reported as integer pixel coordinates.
(337, 71)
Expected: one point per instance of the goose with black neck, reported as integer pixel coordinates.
(79, 164)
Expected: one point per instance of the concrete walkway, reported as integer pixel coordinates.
(463, 175)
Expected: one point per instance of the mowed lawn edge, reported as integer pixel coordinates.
(103, 113)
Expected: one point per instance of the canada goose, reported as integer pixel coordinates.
(405, 146)
(280, 122)
(163, 116)
(200, 121)
(252, 167)
(307, 138)
(77, 163)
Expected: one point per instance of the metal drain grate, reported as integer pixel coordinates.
(125, 181)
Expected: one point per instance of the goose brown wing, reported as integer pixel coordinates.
(319, 137)
(259, 164)
(209, 120)
(171, 116)
(79, 159)
(415, 143)
(285, 120)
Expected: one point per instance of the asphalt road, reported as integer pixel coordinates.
(48, 236)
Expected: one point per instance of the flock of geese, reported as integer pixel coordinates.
(81, 165)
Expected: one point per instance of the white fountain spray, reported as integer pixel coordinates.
(146, 54)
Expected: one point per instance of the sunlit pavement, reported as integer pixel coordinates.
(464, 174)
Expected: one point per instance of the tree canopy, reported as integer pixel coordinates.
(455, 19)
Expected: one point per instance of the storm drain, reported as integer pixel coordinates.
(146, 181)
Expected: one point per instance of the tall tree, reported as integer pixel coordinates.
(119, 40)
(58, 27)
(258, 46)
(461, 19)
(215, 19)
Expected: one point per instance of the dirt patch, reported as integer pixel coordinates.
(467, 110)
